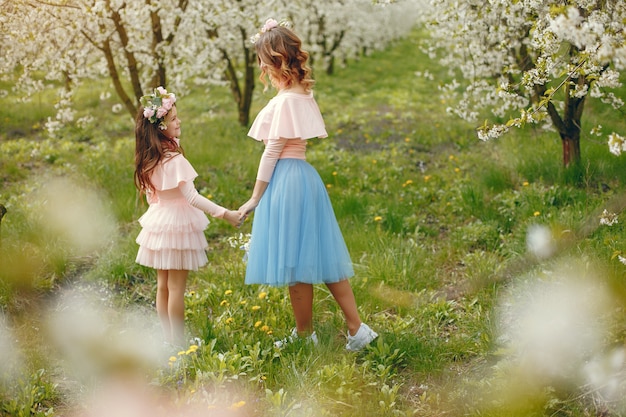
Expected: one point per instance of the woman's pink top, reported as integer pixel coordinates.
(286, 117)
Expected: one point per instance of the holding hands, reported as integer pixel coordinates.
(237, 217)
(234, 218)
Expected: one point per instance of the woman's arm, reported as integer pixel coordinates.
(270, 156)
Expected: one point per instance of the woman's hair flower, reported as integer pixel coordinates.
(157, 105)
(269, 25)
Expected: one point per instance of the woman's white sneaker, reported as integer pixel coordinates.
(362, 338)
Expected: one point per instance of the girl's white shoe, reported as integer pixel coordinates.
(294, 336)
(362, 338)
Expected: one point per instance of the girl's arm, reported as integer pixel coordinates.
(196, 200)
(270, 156)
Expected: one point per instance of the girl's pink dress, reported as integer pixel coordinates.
(172, 235)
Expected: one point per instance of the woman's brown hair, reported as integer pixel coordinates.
(280, 50)
(151, 147)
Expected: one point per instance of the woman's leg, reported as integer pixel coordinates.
(342, 292)
(162, 296)
(176, 285)
(301, 296)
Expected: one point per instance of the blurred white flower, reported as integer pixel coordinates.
(608, 219)
(77, 215)
(551, 328)
(539, 241)
(606, 374)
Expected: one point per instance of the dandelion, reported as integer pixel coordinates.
(329, 185)
(451, 157)
(224, 303)
(243, 302)
(228, 292)
(427, 178)
(229, 320)
(608, 219)
(334, 173)
(374, 161)
(258, 323)
(262, 295)
(192, 349)
(537, 213)
(255, 308)
(377, 218)
(237, 405)
(265, 328)
(182, 352)
(407, 140)
(407, 182)
(172, 359)
(209, 196)
(457, 170)
(525, 184)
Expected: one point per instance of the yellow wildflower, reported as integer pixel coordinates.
(262, 295)
(255, 308)
(258, 323)
(237, 405)
(377, 218)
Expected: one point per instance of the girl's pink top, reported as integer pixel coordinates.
(288, 115)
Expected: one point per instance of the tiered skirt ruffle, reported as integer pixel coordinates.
(172, 236)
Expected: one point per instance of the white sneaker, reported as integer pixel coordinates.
(362, 338)
(312, 338)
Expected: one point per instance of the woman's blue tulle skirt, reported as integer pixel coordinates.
(295, 235)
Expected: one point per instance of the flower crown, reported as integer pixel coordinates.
(157, 105)
(269, 25)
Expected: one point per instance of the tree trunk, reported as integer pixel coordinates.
(571, 149)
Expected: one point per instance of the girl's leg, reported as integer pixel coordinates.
(301, 296)
(176, 284)
(162, 296)
(342, 292)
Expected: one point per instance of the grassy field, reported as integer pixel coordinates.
(470, 321)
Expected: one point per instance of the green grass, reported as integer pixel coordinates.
(435, 222)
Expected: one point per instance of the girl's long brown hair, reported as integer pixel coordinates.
(281, 50)
(151, 147)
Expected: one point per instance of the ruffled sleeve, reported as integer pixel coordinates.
(172, 172)
(289, 115)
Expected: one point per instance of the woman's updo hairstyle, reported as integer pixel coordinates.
(280, 55)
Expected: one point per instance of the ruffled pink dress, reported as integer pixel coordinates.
(172, 234)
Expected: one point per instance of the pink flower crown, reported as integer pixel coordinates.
(269, 25)
(157, 105)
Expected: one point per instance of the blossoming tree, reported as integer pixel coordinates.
(139, 45)
(533, 61)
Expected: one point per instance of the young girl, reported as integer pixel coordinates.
(172, 237)
(295, 240)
